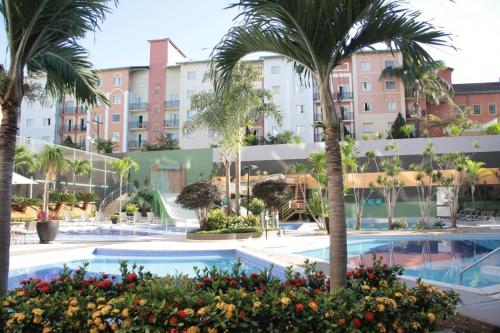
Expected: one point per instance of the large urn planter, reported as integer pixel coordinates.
(47, 231)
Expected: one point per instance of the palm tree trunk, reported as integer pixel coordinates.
(46, 196)
(227, 166)
(237, 172)
(8, 129)
(120, 199)
(472, 190)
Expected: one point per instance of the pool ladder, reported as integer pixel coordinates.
(468, 267)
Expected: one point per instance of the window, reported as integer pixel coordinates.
(301, 88)
(29, 105)
(276, 90)
(156, 90)
(365, 66)
(391, 106)
(115, 117)
(117, 81)
(366, 86)
(115, 136)
(191, 75)
(390, 85)
(190, 93)
(492, 108)
(477, 109)
(276, 130)
(367, 106)
(368, 128)
(275, 70)
(117, 99)
(29, 122)
(45, 138)
(300, 109)
(389, 63)
(155, 128)
(462, 108)
(156, 109)
(97, 119)
(46, 122)
(98, 82)
(300, 130)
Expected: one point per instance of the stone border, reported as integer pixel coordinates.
(230, 236)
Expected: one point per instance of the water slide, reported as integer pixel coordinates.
(180, 215)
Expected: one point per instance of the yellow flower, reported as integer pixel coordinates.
(101, 299)
(229, 310)
(115, 311)
(220, 306)
(365, 287)
(313, 306)
(98, 321)
(256, 305)
(329, 314)
(193, 329)
(18, 316)
(20, 293)
(415, 325)
(374, 289)
(125, 313)
(105, 310)
(73, 302)
(212, 330)
(96, 314)
(431, 317)
(127, 323)
(217, 298)
(93, 330)
(202, 311)
(37, 311)
(142, 302)
(398, 295)
(285, 301)
(47, 329)
(380, 307)
(381, 327)
(102, 327)
(90, 306)
(188, 312)
(37, 320)
(115, 327)
(412, 299)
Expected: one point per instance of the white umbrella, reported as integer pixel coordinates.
(17, 179)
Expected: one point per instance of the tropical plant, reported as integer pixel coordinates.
(317, 208)
(24, 161)
(199, 196)
(122, 168)
(227, 114)
(105, 146)
(286, 137)
(130, 209)
(78, 168)
(359, 173)
(399, 129)
(60, 198)
(272, 192)
(85, 198)
(256, 206)
(454, 123)
(493, 129)
(41, 39)
(143, 199)
(318, 36)
(68, 142)
(20, 203)
(165, 141)
(317, 165)
(51, 162)
(474, 172)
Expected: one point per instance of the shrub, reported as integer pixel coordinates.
(22, 219)
(229, 230)
(85, 198)
(143, 199)
(20, 203)
(374, 300)
(399, 224)
(493, 129)
(271, 192)
(199, 196)
(58, 198)
(256, 206)
(130, 209)
(216, 219)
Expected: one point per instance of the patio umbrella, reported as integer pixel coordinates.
(17, 179)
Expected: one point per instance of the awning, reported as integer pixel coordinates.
(17, 179)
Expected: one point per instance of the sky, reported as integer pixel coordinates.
(196, 26)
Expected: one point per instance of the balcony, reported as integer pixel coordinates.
(316, 96)
(318, 117)
(74, 110)
(343, 96)
(319, 137)
(173, 104)
(136, 144)
(74, 128)
(349, 115)
(171, 123)
(138, 106)
(138, 125)
(81, 145)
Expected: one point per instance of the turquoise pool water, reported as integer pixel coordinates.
(440, 261)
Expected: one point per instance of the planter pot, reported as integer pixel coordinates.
(47, 231)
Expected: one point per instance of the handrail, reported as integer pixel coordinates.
(126, 188)
(466, 268)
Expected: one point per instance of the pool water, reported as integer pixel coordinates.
(440, 261)
(174, 262)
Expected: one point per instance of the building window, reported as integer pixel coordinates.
(155, 128)
(115, 117)
(275, 70)
(365, 66)
(300, 130)
(461, 108)
(389, 63)
(301, 88)
(46, 122)
(492, 109)
(300, 109)
(368, 128)
(29, 122)
(29, 105)
(189, 94)
(391, 106)
(191, 75)
(477, 109)
(117, 81)
(276, 90)
(390, 85)
(115, 136)
(367, 106)
(276, 130)
(156, 110)
(117, 99)
(366, 86)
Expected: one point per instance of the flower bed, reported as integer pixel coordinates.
(375, 300)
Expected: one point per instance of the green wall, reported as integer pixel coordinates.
(403, 209)
(198, 163)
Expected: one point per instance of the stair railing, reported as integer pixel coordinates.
(126, 188)
(475, 263)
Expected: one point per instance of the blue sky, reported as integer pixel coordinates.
(197, 25)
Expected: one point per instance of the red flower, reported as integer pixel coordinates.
(23, 282)
(356, 322)
(172, 321)
(242, 315)
(370, 316)
(371, 276)
(299, 307)
(349, 273)
(200, 302)
(131, 276)
(258, 292)
(341, 321)
(200, 283)
(174, 330)
(233, 283)
(181, 314)
(254, 275)
(43, 290)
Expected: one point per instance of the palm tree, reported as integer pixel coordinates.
(227, 114)
(24, 161)
(317, 35)
(474, 172)
(52, 163)
(78, 168)
(122, 168)
(41, 39)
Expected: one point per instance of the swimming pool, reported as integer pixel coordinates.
(161, 263)
(436, 260)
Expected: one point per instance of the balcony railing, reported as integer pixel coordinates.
(74, 110)
(138, 124)
(318, 117)
(316, 96)
(137, 106)
(342, 96)
(172, 104)
(136, 143)
(319, 137)
(347, 115)
(81, 145)
(74, 128)
(172, 123)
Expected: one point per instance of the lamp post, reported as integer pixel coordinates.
(248, 168)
